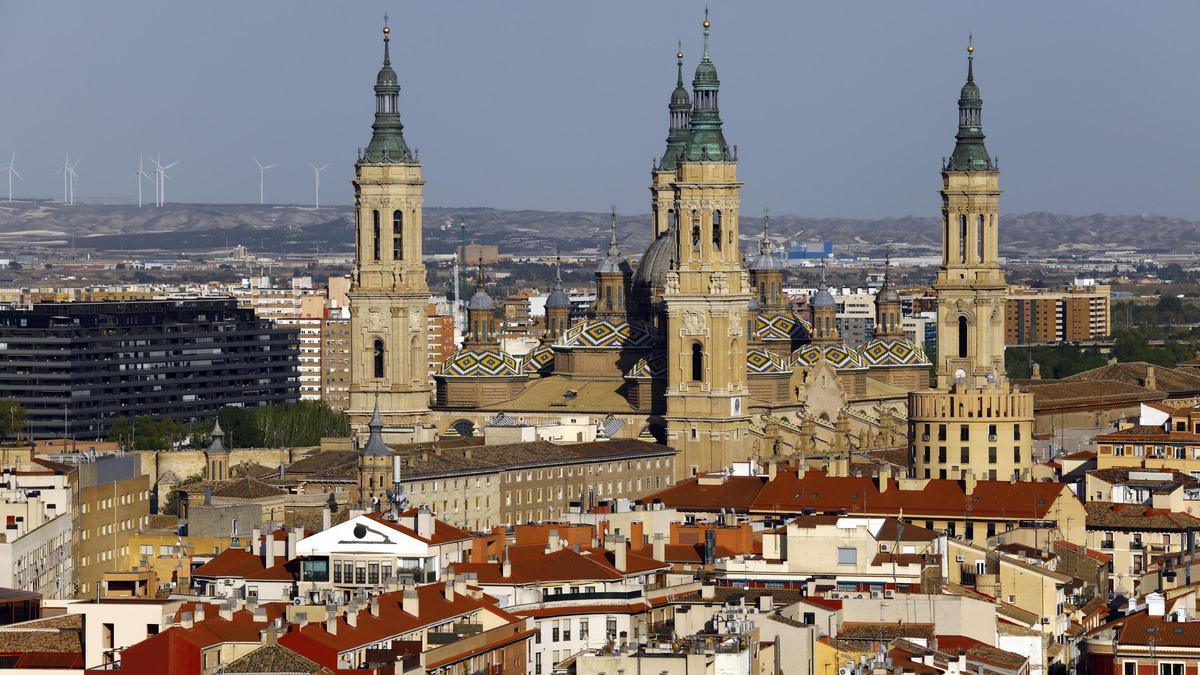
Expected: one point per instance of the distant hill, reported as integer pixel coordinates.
(192, 228)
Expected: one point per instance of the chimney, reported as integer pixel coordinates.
(331, 615)
(411, 604)
(269, 550)
(198, 612)
(326, 518)
(224, 610)
(185, 619)
(766, 602)
(256, 541)
(1156, 604)
(969, 481)
(1035, 371)
(637, 533)
(885, 475)
(448, 586)
(300, 619)
(425, 523)
(710, 547)
(620, 553)
(293, 542)
(506, 566)
(708, 592)
(552, 541)
(352, 615)
(772, 469)
(1151, 381)
(374, 605)
(460, 584)
(660, 547)
(610, 543)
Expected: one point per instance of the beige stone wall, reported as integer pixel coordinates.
(106, 517)
(475, 392)
(989, 432)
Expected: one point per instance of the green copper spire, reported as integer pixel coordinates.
(707, 142)
(387, 138)
(970, 154)
(681, 109)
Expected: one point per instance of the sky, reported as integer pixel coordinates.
(838, 108)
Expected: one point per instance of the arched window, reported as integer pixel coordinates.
(695, 230)
(962, 238)
(697, 362)
(378, 358)
(716, 230)
(397, 235)
(962, 337)
(417, 367)
(979, 238)
(375, 238)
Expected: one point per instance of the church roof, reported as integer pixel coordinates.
(838, 354)
(656, 261)
(764, 362)
(891, 352)
(540, 360)
(649, 367)
(605, 333)
(783, 326)
(481, 363)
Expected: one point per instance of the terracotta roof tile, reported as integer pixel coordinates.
(1109, 515)
(734, 492)
(443, 533)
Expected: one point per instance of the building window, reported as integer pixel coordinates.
(1170, 669)
(962, 337)
(697, 362)
(1017, 454)
(375, 236)
(962, 238)
(378, 358)
(964, 432)
(991, 455)
(964, 455)
(847, 555)
(397, 235)
(716, 230)
(941, 432)
(1016, 432)
(695, 230)
(979, 238)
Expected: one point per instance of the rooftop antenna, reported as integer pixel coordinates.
(12, 171)
(316, 184)
(141, 173)
(262, 170)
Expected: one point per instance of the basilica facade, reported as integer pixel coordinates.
(695, 345)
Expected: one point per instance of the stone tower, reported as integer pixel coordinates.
(975, 420)
(766, 274)
(612, 280)
(662, 174)
(388, 295)
(374, 466)
(888, 313)
(558, 306)
(707, 293)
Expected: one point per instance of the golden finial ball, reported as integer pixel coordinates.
(387, 30)
(707, 23)
(679, 55)
(970, 49)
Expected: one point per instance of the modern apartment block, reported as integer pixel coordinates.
(335, 360)
(1073, 314)
(77, 366)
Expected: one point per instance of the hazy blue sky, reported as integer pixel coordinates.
(838, 108)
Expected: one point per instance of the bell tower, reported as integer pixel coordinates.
(707, 293)
(388, 294)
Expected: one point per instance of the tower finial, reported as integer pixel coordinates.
(765, 247)
(387, 36)
(970, 57)
(557, 264)
(613, 250)
(679, 65)
(707, 25)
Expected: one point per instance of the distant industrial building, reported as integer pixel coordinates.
(810, 250)
(77, 366)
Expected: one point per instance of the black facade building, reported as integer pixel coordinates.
(77, 366)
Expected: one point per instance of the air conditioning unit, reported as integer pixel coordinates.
(297, 601)
(889, 594)
(883, 547)
(959, 558)
(875, 595)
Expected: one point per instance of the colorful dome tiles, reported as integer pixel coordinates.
(649, 367)
(481, 363)
(891, 353)
(784, 326)
(602, 333)
(763, 362)
(539, 361)
(838, 354)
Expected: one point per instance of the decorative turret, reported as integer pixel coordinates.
(970, 154)
(612, 278)
(707, 142)
(887, 307)
(216, 455)
(216, 443)
(387, 144)
(681, 115)
(766, 272)
(480, 310)
(375, 444)
(558, 306)
(824, 315)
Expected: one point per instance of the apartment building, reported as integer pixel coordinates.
(335, 359)
(1135, 534)
(1073, 314)
(36, 544)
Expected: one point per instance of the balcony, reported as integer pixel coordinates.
(1135, 545)
(1106, 545)
(600, 595)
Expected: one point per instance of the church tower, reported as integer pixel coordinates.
(975, 420)
(888, 313)
(662, 174)
(558, 307)
(612, 280)
(707, 293)
(388, 296)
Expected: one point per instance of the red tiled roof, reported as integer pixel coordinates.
(571, 610)
(734, 492)
(979, 651)
(1091, 553)
(857, 494)
(443, 533)
(1107, 515)
(530, 564)
(1143, 630)
(237, 562)
(1148, 433)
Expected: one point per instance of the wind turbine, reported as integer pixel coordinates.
(69, 176)
(160, 185)
(262, 170)
(141, 173)
(317, 183)
(11, 169)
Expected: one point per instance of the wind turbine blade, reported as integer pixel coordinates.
(15, 172)
(171, 164)
(323, 167)
(270, 166)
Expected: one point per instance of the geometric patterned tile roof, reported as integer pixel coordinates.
(602, 333)
(481, 363)
(891, 353)
(841, 356)
(763, 362)
(784, 326)
(539, 361)
(649, 367)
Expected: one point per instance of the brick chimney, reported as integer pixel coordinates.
(448, 585)
(552, 541)
(198, 611)
(352, 615)
(620, 554)
(660, 547)
(969, 481)
(885, 475)
(374, 605)
(425, 523)
(411, 604)
(331, 615)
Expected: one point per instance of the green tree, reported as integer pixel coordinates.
(171, 505)
(12, 418)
